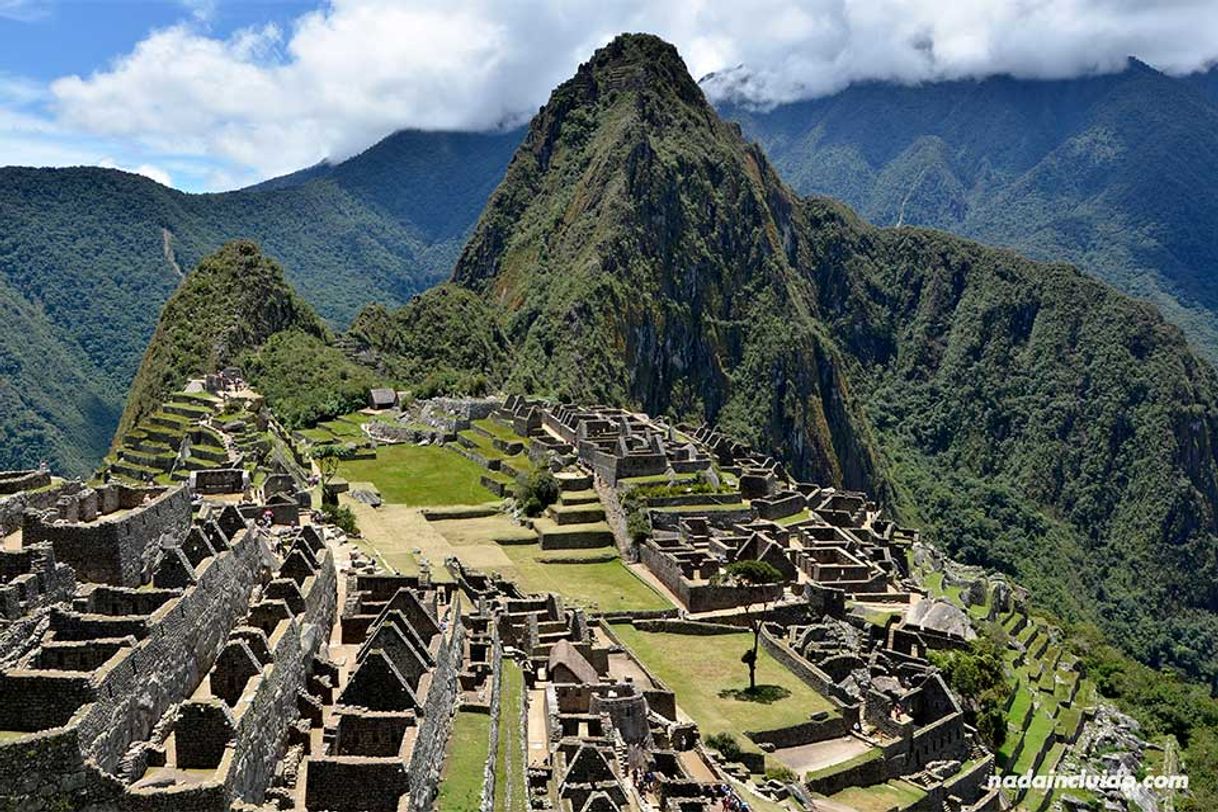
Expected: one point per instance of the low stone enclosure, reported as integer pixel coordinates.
(112, 534)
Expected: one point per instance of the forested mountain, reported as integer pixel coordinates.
(1117, 173)
(88, 256)
(639, 250)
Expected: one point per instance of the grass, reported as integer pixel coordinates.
(461, 781)
(510, 792)
(699, 668)
(794, 518)
(497, 429)
(420, 475)
(880, 798)
(608, 586)
(1039, 729)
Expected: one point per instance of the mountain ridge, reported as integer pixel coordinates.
(640, 251)
(83, 257)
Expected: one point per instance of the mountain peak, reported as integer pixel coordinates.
(641, 66)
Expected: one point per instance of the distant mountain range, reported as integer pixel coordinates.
(1116, 173)
(88, 256)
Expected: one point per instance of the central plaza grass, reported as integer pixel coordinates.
(698, 668)
(461, 781)
(420, 475)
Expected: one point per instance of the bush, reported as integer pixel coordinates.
(341, 517)
(726, 744)
(781, 772)
(537, 491)
(638, 526)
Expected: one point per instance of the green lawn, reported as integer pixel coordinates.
(698, 668)
(606, 585)
(461, 781)
(496, 428)
(420, 475)
(510, 792)
(881, 797)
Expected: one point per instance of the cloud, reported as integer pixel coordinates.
(267, 100)
(24, 11)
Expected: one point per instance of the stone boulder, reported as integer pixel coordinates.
(939, 615)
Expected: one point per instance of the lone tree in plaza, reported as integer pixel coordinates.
(754, 573)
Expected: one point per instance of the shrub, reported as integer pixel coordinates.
(638, 526)
(780, 772)
(726, 744)
(537, 491)
(340, 516)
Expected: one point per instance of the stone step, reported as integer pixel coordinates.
(574, 481)
(579, 498)
(553, 536)
(577, 514)
(162, 461)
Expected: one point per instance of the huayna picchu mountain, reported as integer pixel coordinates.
(639, 251)
(236, 308)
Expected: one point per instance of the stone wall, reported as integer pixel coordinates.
(263, 727)
(698, 597)
(13, 508)
(671, 519)
(427, 757)
(185, 635)
(809, 674)
(489, 778)
(16, 481)
(116, 550)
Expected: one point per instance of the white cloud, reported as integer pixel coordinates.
(24, 11)
(265, 100)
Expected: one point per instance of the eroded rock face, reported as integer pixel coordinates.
(941, 616)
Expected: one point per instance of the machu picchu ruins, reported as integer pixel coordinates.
(195, 629)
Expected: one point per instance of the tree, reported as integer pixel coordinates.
(537, 491)
(754, 573)
(978, 677)
(328, 456)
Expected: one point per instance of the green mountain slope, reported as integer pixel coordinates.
(639, 250)
(92, 254)
(230, 304)
(1115, 173)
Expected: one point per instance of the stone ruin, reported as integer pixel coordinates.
(159, 657)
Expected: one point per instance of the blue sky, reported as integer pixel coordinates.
(215, 94)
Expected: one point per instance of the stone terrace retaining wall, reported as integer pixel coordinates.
(14, 481)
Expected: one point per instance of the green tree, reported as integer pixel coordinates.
(327, 457)
(754, 573)
(978, 677)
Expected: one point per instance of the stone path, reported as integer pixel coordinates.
(539, 745)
